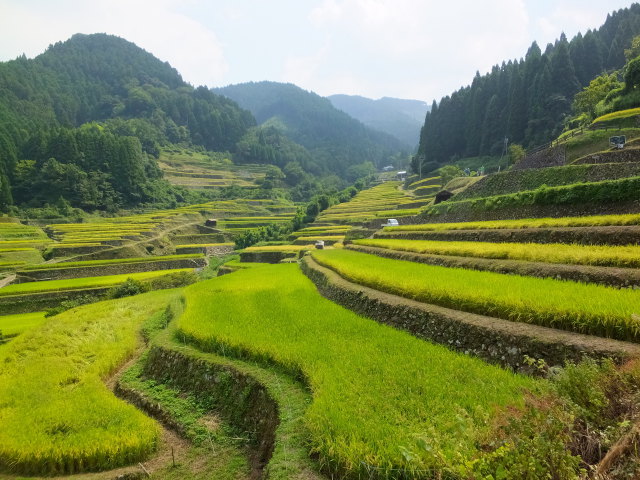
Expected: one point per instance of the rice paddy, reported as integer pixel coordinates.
(630, 219)
(375, 390)
(583, 308)
(13, 325)
(598, 255)
(56, 415)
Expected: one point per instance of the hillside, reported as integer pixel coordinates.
(51, 146)
(525, 100)
(400, 118)
(334, 139)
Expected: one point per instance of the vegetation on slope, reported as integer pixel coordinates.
(376, 390)
(526, 100)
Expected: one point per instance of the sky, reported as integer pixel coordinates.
(419, 49)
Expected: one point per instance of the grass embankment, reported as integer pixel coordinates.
(583, 308)
(604, 192)
(375, 389)
(56, 414)
(594, 141)
(598, 255)
(83, 283)
(588, 221)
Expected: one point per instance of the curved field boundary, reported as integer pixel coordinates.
(492, 339)
(612, 276)
(613, 235)
(260, 403)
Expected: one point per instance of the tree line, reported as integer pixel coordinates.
(526, 100)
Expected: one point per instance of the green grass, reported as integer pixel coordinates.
(579, 307)
(599, 255)
(588, 221)
(82, 283)
(56, 414)
(375, 389)
(594, 141)
(11, 325)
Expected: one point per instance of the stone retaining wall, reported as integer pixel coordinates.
(494, 340)
(237, 397)
(549, 157)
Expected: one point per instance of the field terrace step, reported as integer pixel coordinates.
(267, 405)
(611, 276)
(494, 340)
(609, 235)
(60, 272)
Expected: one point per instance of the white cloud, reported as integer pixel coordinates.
(423, 38)
(188, 45)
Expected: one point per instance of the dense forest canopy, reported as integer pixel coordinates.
(526, 100)
(140, 102)
(335, 141)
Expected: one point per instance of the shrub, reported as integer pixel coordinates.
(127, 289)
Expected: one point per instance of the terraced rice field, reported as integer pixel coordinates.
(20, 244)
(376, 391)
(201, 171)
(600, 255)
(56, 415)
(578, 307)
(587, 221)
(382, 201)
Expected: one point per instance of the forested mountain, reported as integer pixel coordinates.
(398, 117)
(140, 103)
(525, 100)
(334, 140)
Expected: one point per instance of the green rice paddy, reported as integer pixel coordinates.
(376, 390)
(56, 414)
(584, 308)
(598, 255)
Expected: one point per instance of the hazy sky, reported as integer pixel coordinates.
(401, 48)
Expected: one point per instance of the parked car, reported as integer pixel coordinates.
(391, 222)
(320, 244)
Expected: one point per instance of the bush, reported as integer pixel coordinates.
(127, 289)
